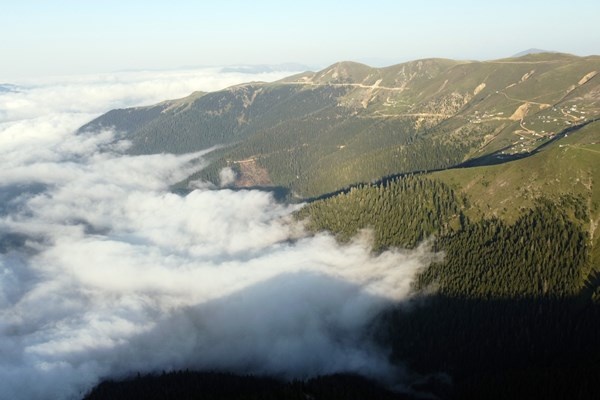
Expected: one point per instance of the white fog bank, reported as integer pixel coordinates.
(104, 272)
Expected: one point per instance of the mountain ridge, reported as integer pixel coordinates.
(532, 50)
(369, 122)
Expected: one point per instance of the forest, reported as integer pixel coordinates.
(509, 313)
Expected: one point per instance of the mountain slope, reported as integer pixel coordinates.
(313, 133)
(567, 172)
(530, 51)
(513, 309)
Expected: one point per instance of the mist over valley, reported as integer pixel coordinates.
(427, 229)
(106, 272)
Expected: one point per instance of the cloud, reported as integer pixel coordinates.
(227, 176)
(104, 272)
(94, 94)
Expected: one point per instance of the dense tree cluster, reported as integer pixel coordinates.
(544, 253)
(401, 212)
(422, 153)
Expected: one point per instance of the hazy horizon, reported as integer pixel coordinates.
(68, 37)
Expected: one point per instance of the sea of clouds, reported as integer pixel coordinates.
(104, 272)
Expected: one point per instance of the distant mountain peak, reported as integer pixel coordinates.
(7, 87)
(265, 68)
(531, 51)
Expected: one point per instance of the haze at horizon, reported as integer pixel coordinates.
(69, 37)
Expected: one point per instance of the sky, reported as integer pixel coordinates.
(61, 37)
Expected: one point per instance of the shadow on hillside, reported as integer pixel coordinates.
(304, 325)
(497, 157)
(489, 349)
(302, 335)
(189, 385)
(501, 348)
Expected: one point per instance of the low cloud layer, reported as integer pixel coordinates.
(104, 272)
(94, 94)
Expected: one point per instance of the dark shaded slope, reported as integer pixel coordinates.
(186, 385)
(530, 348)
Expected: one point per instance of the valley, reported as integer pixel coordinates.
(494, 164)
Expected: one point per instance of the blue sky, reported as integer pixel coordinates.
(67, 36)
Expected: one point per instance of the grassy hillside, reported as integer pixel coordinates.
(314, 133)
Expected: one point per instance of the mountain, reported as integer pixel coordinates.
(530, 51)
(6, 87)
(316, 132)
(503, 134)
(495, 164)
(265, 68)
